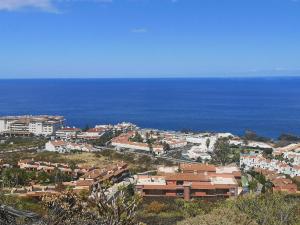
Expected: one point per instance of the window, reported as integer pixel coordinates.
(179, 193)
(179, 182)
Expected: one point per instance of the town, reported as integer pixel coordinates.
(40, 156)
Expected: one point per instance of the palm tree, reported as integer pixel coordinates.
(207, 143)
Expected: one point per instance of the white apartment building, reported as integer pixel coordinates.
(201, 140)
(65, 147)
(92, 133)
(292, 156)
(25, 125)
(158, 150)
(258, 161)
(67, 132)
(197, 151)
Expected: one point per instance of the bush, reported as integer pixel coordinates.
(156, 207)
(220, 216)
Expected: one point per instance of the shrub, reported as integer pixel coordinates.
(156, 207)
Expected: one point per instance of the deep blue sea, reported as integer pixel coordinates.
(269, 106)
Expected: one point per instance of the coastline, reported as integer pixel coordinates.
(268, 106)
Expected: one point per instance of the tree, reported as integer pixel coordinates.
(57, 176)
(289, 138)
(222, 152)
(166, 146)
(137, 137)
(253, 185)
(43, 177)
(252, 136)
(207, 143)
(151, 133)
(268, 186)
(120, 210)
(199, 159)
(267, 153)
(279, 157)
(72, 165)
(12, 177)
(147, 135)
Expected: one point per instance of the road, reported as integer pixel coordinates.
(146, 154)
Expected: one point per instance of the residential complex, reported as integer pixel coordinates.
(27, 125)
(252, 161)
(92, 133)
(85, 177)
(191, 181)
(277, 171)
(150, 141)
(61, 146)
(123, 141)
(182, 180)
(67, 133)
(280, 182)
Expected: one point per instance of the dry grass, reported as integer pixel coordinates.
(88, 159)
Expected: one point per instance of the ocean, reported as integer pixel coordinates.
(268, 106)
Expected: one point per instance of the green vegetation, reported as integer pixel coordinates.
(15, 177)
(286, 139)
(252, 136)
(105, 138)
(258, 178)
(289, 138)
(13, 143)
(220, 216)
(70, 208)
(265, 209)
(222, 152)
(166, 211)
(136, 137)
(207, 143)
(137, 163)
(27, 204)
(268, 209)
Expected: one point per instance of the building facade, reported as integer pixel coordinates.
(27, 125)
(192, 181)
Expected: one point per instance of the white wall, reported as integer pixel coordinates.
(2, 125)
(50, 147)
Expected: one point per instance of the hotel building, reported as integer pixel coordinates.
(26, 125)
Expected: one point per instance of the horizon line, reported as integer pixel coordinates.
(152, 77)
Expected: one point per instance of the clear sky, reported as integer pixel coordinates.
(149, 38)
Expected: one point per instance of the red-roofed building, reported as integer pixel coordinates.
(123, 141)
(194, 181)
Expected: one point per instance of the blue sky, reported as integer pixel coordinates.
(149, 38)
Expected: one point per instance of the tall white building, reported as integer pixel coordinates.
(24, 125)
